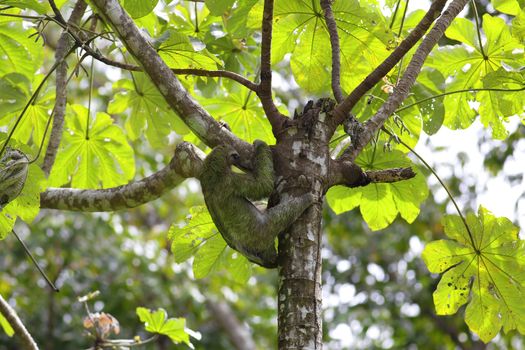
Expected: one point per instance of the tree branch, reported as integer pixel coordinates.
(179, 71)
(186, 162)
(275, 118)
(341, 112)
(197, 118)
(14, 321)
(63, 47)
(346, 173)
(334, 42)
(406, 82)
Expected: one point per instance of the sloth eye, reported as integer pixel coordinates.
(234, 156)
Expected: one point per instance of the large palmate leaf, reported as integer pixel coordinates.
(178, 52)
(158, 322)
(381, 203)
(15, 92)
(300, 28)
(200, 238)
(19, 52)
(466, 65)
(243, 114)
(483, 266)
(146, 109)
(94, 153)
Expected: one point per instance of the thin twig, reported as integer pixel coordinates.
(334, 42)
(407, 81)
(341, 111)
(14, 321)
(398, 140)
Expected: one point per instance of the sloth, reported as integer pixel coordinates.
(244, 226)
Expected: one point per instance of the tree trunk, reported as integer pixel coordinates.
(301, 163)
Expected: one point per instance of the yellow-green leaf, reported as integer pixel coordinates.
(485, 267)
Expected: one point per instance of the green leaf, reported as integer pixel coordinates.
(506, 100)
(18, 91)
(218, 7)
(92, 155)
(187, 239)
(243, 114)
(518, 26)
(511, 7)
(27, 205)
(485, 267)
(466, 68)
(158, 322)
(430, 83)
(6, 326)
(300, 29)
(200, 238)
(178, 52)
(139, 8)
(210, 256)
(147, 111)
(379, 202)
(27, 4)
(19, 52)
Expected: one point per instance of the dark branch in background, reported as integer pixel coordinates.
(237, 332)
(334, 42)
(63, 46)
(186, 162)
(14, 321)
(264, 92)
(341, 111)
(407, 80)
(196, 118)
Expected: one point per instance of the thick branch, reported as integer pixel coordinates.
(334, 42)
(275, 118)
(186, 162)
(63, 47)
(197, 119)
(346, 173)
(407, 80)
(14, 321)
(341, 112)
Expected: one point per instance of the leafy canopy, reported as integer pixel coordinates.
(483, 266)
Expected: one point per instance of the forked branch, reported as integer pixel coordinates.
(196, 118)
(406, 82)
(342, 111)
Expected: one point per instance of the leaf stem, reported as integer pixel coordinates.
(457, 92)
(26, 249)
(90, 96)
(471, 236)
(478, 29)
